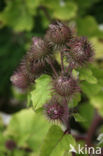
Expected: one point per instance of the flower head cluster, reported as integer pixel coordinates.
(41, 59)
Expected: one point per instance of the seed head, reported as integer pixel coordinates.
(79, 51)
(65, 86)
(58, 34)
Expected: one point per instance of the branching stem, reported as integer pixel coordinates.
(52, 66)
(62, 64)
(44, 9)
(91, 130)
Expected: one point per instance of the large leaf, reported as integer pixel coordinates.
(42, 92)
(90, 89)
(74, 100)
(28, 128)
(86, 74)
(18, 14)
(56, 143)
(78, 117)
(97, 102)
(65, 11)
(98, 73)
(88, 27)
(86, 110)
(98, 45)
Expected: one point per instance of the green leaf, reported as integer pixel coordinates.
(86, 110)
(19, 14)
(97, 102)
(18, 152)
(65, 11)
(56, 143)
(86, 74)
(29, 101)
(98, 47)
(78, 117)
(98, 73)
(28, 128)
(90, 89)
(42, 92)
(88, 27)
(75, 100)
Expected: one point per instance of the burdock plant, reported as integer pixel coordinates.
(74, 52)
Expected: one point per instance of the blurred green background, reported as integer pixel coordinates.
(22, 19)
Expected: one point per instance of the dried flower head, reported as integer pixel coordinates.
(79, 51)
(10, 145)
(58, 34)
(40, 49)
(65, 86)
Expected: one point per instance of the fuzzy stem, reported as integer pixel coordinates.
(69, 68)
(67, 123)
(80, 137)
(62, 64)
(92, 128)
(68, 130)
(73, 154)
(52, 66)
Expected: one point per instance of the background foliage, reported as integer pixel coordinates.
(19, 21)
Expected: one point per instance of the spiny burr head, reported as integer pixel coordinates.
(65, 86)
(40, 49)
(54, 110)
(79, 51)
(58, 34)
